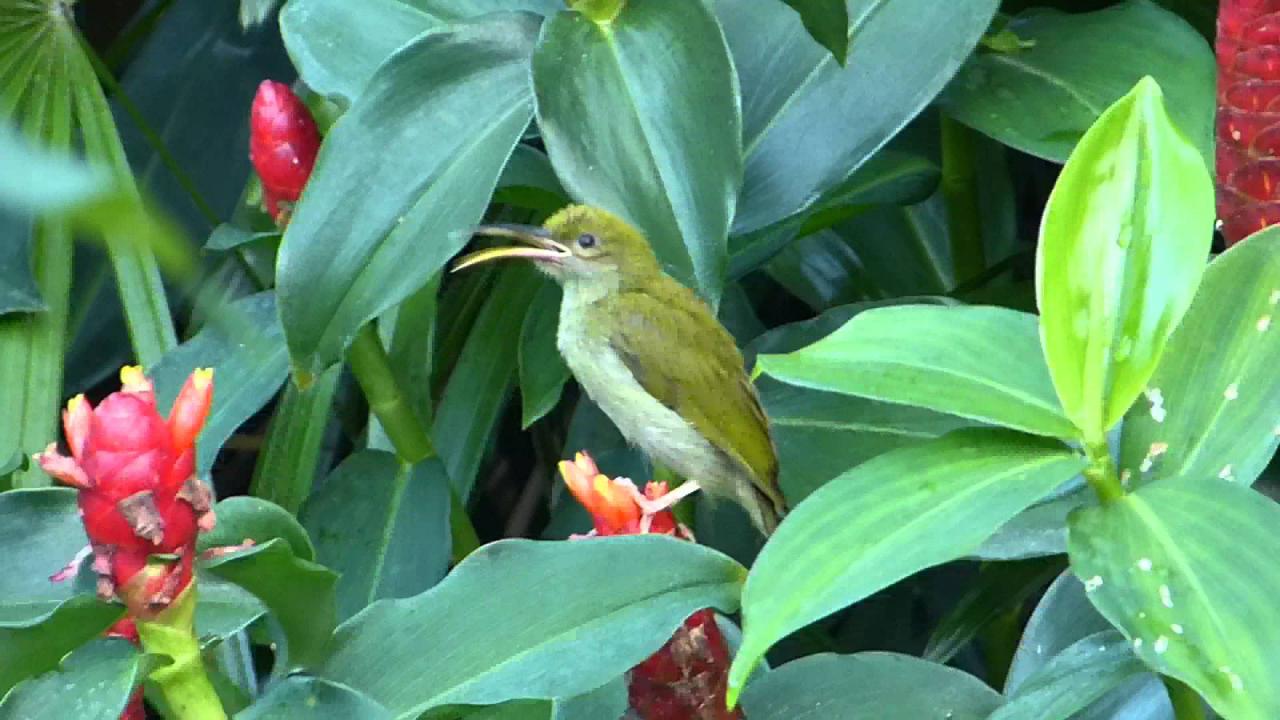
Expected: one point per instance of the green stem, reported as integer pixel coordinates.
(1101, 471)
(391, 405)
(183, 683)
(1186, 702)
(959, 190)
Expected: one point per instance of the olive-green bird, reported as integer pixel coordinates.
(654, 358)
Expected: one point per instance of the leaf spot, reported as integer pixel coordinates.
(1093, 583)
(1137, 643)
(1176, 628)
(1275, 297)
(1124, 477)
(1235, 680)
(1166, 598)
(1264, 322)
(1161, 644)
(1156, 398)
(1232, 392)
(1144, 564)
(1225, 474)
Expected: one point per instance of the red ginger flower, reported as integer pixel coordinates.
(139, 495)
(1248, 137)
(685, 679)
(283, 141)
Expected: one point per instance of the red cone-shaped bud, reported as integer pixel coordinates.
(191, 409)
(283, 142)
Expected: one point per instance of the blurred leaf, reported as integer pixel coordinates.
(18, 289)
(383, 526)
(872, 684)
(827, 21)
(542, 370)
(1000, 588)
(300, 697)
(1186, 570)
(290, 457)
(94, 682)
(1122, 246)
(607, 702)
(243, 518)
(99, 343)
(640, 116)
(482, 377)
(1216, 377)
(1043, 98)
(224, 608)
(807, 122)
(229, 237)
(298, 593)
(256, 12)
(916, 507)
(604, 605)
(1073, 679)
(337, 45)
(938, 358)
(245, 347)
(393, 181)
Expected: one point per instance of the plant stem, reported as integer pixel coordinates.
(183, 683)
(1101, 471)
(1186, 702)
(391, 405)
(960, 193)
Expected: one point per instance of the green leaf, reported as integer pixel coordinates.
(382, 526)
(529, 181)
(36, 645)
(542, 370)
(245, 347)
(1073, 679)
(640, 116)
(917, 507)
(1043, 98)
(1122, 246)
(609, 701)
(18, 290)
(299, 697)
(479, 384)
(1040, 529)
(603, 606)
(400, 178)
(1186, 570)
(1216, 377)
(40, 532)
(290, 457)
(872, 684)
(298, 593)
(224, 608)
(1000, 588)
(229, 237)
(243, 518)
(93, 683)
(337, 45)
(938, 358)
(807, 122)
(827, 21)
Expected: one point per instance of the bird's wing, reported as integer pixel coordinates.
(682, 356)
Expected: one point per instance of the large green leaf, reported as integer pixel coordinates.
(640, 116)
(94, 682)
(1041, 99)
(1213, 406)
(1186, 570)
(542, 370)
(1073, 679)
(243, 518)
(894, 515)
(399, 179)
(807, 122)
(245, 347)
(310, 698)
(867, 685)
(939, 358)
(383, 526)
(1122, 246)
(602, 606)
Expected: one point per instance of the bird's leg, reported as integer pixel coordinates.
(649, 508)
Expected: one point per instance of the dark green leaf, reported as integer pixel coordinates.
(640, 116)
(300, 697)
(290, 457)
(938, 358)
(1216, 377)
(607, 702)
(40, 532)
(1122, 247)
(1186, 570)
(603, 605)
(529, 181)
(542, 370)
(1040, 529)
(224, 608)
(36, 645)
(807, 122)
(298, 593)
(826, 686)
(93, 683)
(827, 22)
(1042, 98)
(1073, 679)
(400, 178)
(1001, 588)
(18, 289)
(917, 507)
(243, 518)
(245, 347)
(383, 526)
(229, 237)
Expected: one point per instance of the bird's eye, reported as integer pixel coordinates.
(586, 241)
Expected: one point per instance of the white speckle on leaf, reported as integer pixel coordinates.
(1124, 477)
(1275, 297)
(1144, 564)
(1137, 643)
(1225, 473)
(1166, 598)
(1156, 450)
(1161, 644)
(1232, 392)
(1156, 398)
(1176, 628)
(1039, 649)
(1142, 615)
(1233, 678)
(1093, 583)
(1264, 322)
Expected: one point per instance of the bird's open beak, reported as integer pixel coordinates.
(538, 246)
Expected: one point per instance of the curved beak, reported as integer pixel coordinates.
(538, 246)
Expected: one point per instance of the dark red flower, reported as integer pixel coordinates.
(283, 142)
(139, 495)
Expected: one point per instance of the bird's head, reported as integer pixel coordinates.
(579, 244)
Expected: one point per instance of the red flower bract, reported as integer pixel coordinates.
(283, 142)
(139, 496)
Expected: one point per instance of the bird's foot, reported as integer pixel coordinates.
(649, 507)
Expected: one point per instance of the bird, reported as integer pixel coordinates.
(652, 355)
